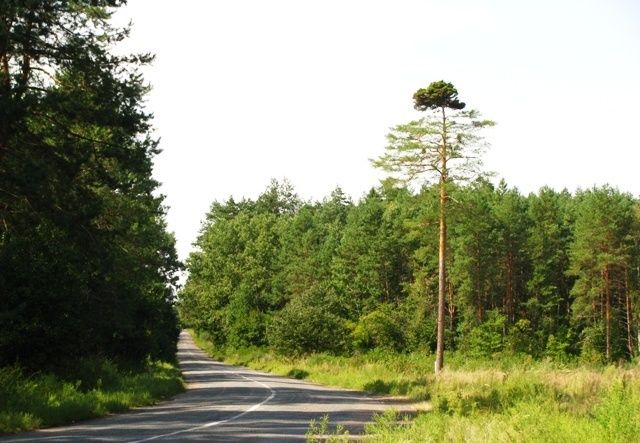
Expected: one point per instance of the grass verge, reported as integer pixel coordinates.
(537, 406)
(42, 400)
(474, 401)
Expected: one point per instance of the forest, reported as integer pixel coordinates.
(87, 267)
(437, 257)
(88, 271)
(550, 275)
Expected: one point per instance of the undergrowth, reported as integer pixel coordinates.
(42, 400)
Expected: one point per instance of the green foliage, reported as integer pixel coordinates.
(320, 431)
(619, 412)
(88, 267)
(306, 325)
(415, 149)
(29, 402)
(601, 256)
(370, 264)
(488, 338)
(592, 344)
(522, 406)
(557, 348)
(521, 338)
(522, 281)
(548, 246)
(438, 94)
(380, 329)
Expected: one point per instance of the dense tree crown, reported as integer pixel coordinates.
(549, 274)
(437, 95)
(86, 265)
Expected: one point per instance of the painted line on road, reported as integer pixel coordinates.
(212, 424)
(272, 394)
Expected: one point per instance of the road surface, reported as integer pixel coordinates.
(224, 403)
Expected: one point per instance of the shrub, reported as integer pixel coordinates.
(522, 338)
(557, 349)
(245, 327)
(379, 329)
(305, 325)
(592, 344)
(487, 338)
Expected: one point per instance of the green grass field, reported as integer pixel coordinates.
(508, 399)
(30, 402)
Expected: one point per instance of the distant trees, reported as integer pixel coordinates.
(602, 255)
(444, 146)
(549, 237)
(87, 264)
(548, 275)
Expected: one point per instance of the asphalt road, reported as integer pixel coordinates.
(224, 403)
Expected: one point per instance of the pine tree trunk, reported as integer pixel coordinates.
(509, 302)
(479, 298)
(607, 312)
(442, 250)
(5, 92)
(451, 308)
(629, 309)
(442, 278)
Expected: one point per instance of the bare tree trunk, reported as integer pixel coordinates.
(509, 302)
(607, 312)
(5, 92)
(442, 250)
(5, 74)
(442, 279)
(451, 308)
(629, 309)
(479, 298)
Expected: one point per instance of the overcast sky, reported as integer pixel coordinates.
(247, 90)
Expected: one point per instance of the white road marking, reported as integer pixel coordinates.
(212, 424)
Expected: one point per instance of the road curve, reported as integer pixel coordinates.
(223, 403)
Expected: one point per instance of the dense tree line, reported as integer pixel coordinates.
(86, 264)
(549, 274)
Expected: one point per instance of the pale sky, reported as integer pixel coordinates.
(247, 90)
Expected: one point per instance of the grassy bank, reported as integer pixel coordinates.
(30, 402)
(538, 405)
(507, 399)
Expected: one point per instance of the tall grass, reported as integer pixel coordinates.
(30, 402)
(536, 405)
(509, 398)
(613, 417)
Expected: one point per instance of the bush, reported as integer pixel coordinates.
(487, 338)
(523, 339)
(592, 344)
(557, 349)
(305, 325)
(379, 329)
(246, 327)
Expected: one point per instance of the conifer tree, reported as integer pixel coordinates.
(444, 146)
(599, 260)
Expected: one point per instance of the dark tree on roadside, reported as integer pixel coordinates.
(86, 264)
